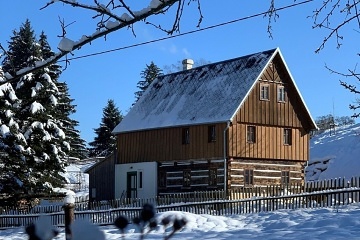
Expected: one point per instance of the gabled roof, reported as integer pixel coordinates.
(208, 94)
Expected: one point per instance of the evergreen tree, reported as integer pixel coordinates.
(77, 144)
(21, 44)
(105, 142)
(149, 74)
(65, 106)
(12, 152)
(36, 122)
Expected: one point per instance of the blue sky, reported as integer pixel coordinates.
(94, 80)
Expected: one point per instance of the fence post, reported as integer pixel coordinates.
(69, 206)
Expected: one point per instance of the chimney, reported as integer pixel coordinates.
(187, 64)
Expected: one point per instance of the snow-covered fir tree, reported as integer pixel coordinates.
(65, 106)
(12, 142)
(148, 75)
(77, 144)
(37, 119)
(105, 142)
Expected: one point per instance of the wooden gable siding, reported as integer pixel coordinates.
(268, 144)
(290, 113)
(165, 144)
(270, 117)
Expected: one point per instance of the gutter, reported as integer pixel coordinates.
(225, 162)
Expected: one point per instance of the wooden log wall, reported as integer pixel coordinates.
(199, 175)
(265, 172)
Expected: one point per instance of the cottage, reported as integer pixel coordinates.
(235, 123)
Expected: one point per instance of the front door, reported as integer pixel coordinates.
(131, 185)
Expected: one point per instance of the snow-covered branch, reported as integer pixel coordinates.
(113, 16)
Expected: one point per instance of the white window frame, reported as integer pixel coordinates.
(281, 94)
(265, 91)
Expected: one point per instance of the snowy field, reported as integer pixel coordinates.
(327, 223)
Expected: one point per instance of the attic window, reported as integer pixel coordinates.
(264, 92)
(281, 94)
(185, 136)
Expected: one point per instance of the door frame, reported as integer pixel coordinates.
(131, 187)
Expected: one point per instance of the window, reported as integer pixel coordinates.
(250, 134)
(212, 177)
(285, 177)
(287, 136)
(162, 179)
(264, 92)
(212, 133)
(187, 178)
(140, 179)
(248, 176)
(186, 136)
(281, 94)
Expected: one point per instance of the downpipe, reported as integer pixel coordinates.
(225, 155)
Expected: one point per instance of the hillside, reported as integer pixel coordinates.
(335, 154)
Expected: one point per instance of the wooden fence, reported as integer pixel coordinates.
(83, 204)
(330, 198)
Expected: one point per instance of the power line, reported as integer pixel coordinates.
(189, 32)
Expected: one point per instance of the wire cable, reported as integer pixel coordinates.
(187, 33)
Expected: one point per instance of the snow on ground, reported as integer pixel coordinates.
(326, 223)
(335, 154)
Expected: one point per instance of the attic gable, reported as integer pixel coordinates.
(207, 94)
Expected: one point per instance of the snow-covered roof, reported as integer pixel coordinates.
(207, 94)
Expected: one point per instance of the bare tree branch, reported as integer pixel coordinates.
(327, 17)
(271, 15)
(351, 87)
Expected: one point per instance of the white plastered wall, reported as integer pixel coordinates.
(149, 179)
